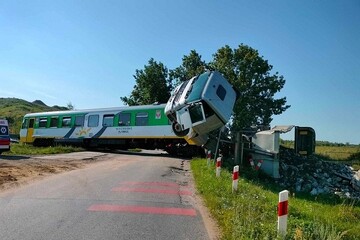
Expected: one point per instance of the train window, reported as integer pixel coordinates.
(141, 119)
(25, 123)
(79, 121)
(93, 121)
(221, 92)
(42, 122)
(108, 120)
(31, 123)
(66, 122)
(54, 122)
(124, 119)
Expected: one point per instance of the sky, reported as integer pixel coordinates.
(86, 52)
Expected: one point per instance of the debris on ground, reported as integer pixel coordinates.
(317, 176)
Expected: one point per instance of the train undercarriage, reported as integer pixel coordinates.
(174, 147)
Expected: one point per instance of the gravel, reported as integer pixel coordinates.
(317, 176)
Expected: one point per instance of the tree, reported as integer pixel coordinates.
(191, 66)
(70, 106)
(243, 67)
(251, 75)
(152, 85)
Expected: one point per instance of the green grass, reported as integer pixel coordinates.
(251, 213)
(23, 149)
(349, 154)
(332, 151)
(337, 152)
(346, 154)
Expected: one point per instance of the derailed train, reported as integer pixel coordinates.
(195, 108)
(144, 127)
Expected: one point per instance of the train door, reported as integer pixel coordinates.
(30, 131)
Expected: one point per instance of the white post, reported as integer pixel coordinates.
(235, 178)
(251, 160)
(282, 212)
(218, 166)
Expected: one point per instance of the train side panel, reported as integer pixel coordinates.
(146, 126)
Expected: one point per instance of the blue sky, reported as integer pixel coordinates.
(86, 52)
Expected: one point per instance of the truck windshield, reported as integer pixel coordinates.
(181, 90)
(198, 87)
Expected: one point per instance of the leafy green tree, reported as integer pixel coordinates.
(249, 72)
(251, 75)
(70, 106)
(191, 66)
(152, 85)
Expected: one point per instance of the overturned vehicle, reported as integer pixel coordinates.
(200, 105)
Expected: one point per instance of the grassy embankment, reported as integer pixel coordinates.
(23, 149)
(338, 152)
(349, 154)
(251, 213)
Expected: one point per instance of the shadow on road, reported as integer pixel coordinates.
(149, 153)
(13, 157)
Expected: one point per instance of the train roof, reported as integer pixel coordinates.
(94, 110)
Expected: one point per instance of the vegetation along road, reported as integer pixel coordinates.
(106, 196)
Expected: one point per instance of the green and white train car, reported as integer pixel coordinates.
(144, 127)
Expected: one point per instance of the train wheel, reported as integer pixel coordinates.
(177, 130)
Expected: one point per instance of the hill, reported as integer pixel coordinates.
(13, 109)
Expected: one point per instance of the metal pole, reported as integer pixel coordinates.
(218, 142)
(242, 150)
(237, 150)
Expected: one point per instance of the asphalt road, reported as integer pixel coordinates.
(123, 197)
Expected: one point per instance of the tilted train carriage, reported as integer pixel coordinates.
(126, 127)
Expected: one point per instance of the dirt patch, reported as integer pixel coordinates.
(19, 170)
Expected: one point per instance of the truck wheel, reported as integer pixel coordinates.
(177, 130)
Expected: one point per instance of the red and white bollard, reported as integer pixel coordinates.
(282, 212)
(218, 166)
(251, 160)
(208, 157)
(235, 178)
(258, 165)
(252, 163)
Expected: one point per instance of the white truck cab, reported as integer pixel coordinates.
(200, 105)
(4, 136)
